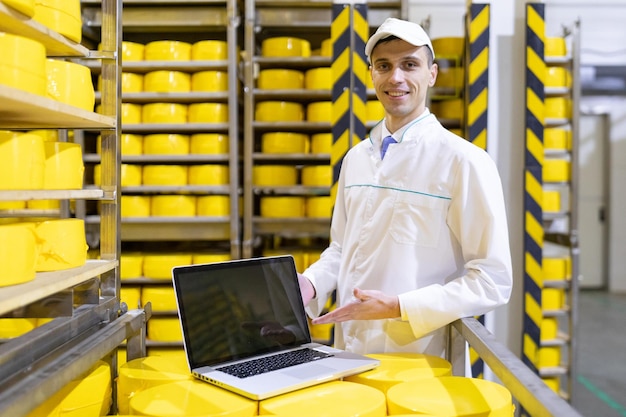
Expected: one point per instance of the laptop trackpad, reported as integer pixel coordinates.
(309, 371)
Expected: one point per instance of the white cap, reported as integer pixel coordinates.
(405, 30)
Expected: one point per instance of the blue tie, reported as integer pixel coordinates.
(383, 149)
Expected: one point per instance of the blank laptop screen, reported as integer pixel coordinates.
(225, 308)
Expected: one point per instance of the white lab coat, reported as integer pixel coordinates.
(428, 224)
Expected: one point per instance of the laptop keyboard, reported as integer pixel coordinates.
(274, 362)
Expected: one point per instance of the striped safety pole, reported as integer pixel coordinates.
(533, 182)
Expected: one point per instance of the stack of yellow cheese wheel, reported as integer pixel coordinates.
(332, 399)
(173, 205)
(167, 50)
(140, 374)
(22, 161)
(209, 144)
(132, 51)
(326, 48)
(70, 83)
(450, 396)
(23, 64)
(280, 79)
(285, 46)
(18, 253)
(61, 244)
(164, 81)
(209, 50)
(190, 399)
(62, 16)
(130, 82)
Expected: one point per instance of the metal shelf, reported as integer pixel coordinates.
(145, 128)
(85, 194)
(190, 97)
(173, 159)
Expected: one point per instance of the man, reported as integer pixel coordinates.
(419, 238)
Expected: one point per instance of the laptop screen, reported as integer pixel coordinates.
(236, 309)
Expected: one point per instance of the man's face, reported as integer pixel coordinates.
(401, 77)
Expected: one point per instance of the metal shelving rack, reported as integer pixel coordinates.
(92, 324)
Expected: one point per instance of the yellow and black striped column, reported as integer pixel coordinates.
(533, 182)
(478, 20)
(349, 32)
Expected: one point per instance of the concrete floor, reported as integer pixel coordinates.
(599, 388)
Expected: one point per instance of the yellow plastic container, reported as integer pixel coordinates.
(375, 110)
(395, 368)
(159, 265)
(211, 81)
(213, 205)
(164, 81)
(280, 79)
(317, 175)
(166, 50)
(208, 113)
(191, 399)
(131, 265)
(332, 399)
(18, 253)
(450, 396)
(282, 207)
(279, 111)
(26, 7)
(209, 174)
(140, 374)
(209, 144)
(321, 143)
(23, 63)
(61, 244)
(285, 46)
(166, 144)
(60, 16)
(451, 46)
(63, 166)
(284, 142)
(209, 50)
(164, 113)
(89, 395)
(274, 175)
(70, 83)
(173, 205)
(162, 298)
(165, 175)
(22, 159)
(321, 111)
(319, 207)
(318, 79)
(135, 206)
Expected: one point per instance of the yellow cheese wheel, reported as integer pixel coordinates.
(159, 265)
(165, 175)
(18, 253)
(22, 161)
(131, 265)
(135, 206)
(23, 80)
(209, 81)
(558, 107)
(23, 64)
(62, 17)
(555, 46)
(130, 174)
(130, 144)
(208, 113)
(207, 258)
(319, 207)
(173, 205)
(556, 170)
(279, 111)
(61, 244)
(164, 329)
(132, 51)
(557, 138)
(63, 166)
(166, 50)
(375, 110)
(47, 135)
(274, 175)
(164, 113)
(70, 83)
(284, 142)
(551, 201)
(320, 111)
(318, 79)
(26, 7)
(280, 79)
(321, 143)
(450, 77)
(556, 268)
(549, 328)
(317, 175)
(552, 298)
(213, 205)
(174, 353)
(164, 81)
(450, 396)
(326, 48)
(131, 295)
(209, 144)
(451, 46)
(209, 174)
(161, 297)
(209, 50)
(10, 327)
(131, 113)
(548, 356)
(554, 383)
(282, 207)
(449, 109)
(166, 144)
(285, 46)
(558, 77)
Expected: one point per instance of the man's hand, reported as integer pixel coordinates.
(306, 289)
(368, 305)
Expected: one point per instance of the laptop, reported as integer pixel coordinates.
(237, 314)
